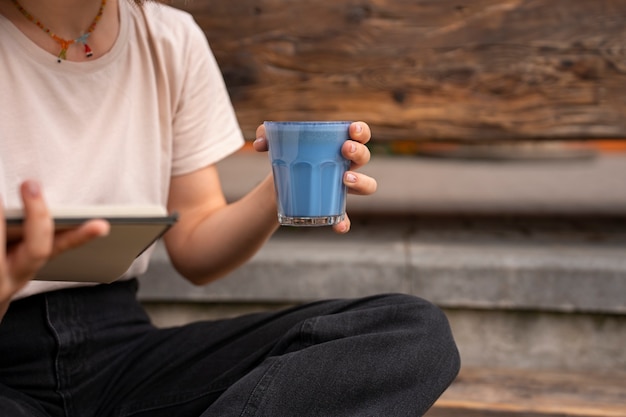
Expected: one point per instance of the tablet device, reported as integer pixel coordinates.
(133, 230)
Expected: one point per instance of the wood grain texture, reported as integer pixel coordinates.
(485, 70)
(524, 393)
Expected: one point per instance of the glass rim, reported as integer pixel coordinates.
(309, 122)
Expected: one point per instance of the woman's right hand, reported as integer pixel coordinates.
(20, 261)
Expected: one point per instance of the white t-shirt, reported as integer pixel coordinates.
(112, 130)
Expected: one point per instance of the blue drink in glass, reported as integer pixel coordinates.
(308, 171)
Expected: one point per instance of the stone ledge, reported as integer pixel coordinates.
(293, 268)
(412, 185)
(453, 268)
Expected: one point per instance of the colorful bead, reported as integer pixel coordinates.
(64, 43)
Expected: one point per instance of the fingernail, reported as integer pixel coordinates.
(259, 140)
(105, 230)
(350, 177)
(33, 189)
(358, 128)
(353, 148)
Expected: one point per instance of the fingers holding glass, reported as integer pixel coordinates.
(359, 184)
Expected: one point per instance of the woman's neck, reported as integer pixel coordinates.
(69, 20)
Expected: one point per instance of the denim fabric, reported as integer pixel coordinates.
(93, 352)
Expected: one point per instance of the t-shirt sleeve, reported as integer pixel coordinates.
(205, 125)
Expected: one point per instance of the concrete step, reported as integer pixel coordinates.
(413, 185)
(531, 264)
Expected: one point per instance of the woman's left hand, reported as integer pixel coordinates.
(353, 150)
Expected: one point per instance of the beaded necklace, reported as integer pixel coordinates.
(65, 43)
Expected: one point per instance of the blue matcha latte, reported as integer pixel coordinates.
(308, 171)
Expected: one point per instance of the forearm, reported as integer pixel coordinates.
(217, 243)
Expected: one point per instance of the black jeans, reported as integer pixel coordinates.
(93, 352)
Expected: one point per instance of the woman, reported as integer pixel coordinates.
(107, 102)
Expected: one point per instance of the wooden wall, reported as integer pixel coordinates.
(426, 69)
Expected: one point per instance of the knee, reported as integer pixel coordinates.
(428, 335)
